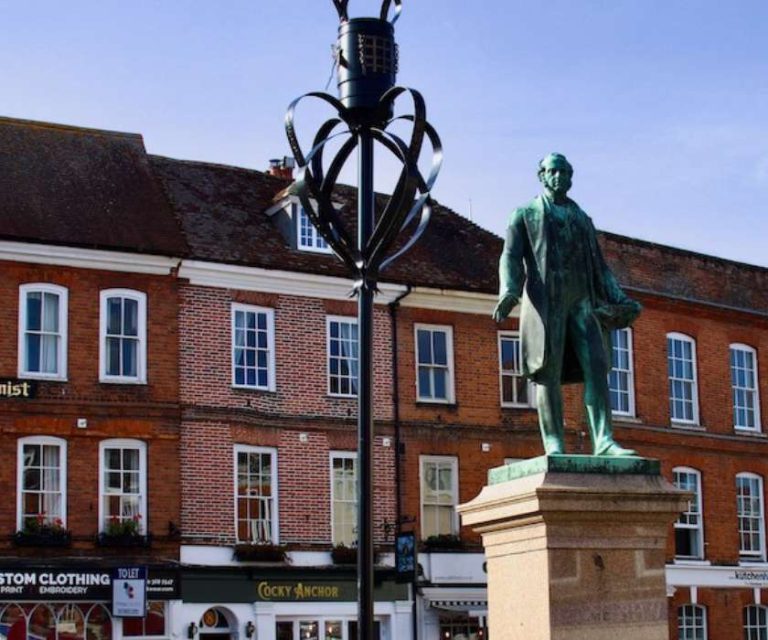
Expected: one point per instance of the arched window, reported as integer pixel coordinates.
(123, 336)
(691, 622)
(681, 370)
(689, 528)
(744, 387)
(755, 622)
(42, 482)
(123, 487)
(750, 511)
(43, 331)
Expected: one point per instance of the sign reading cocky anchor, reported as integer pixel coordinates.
(314, 591)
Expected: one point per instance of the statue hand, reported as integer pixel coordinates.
(504, 307)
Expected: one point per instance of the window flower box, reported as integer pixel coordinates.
(260, 552)
(442, 542)
(342, 554)
(105, 539)
(42, 532)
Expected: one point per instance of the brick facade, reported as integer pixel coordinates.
(299, 405)
(144, 412)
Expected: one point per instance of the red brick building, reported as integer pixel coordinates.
(245, 408)
(89, 383)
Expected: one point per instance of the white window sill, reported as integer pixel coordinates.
(760, 564)
(122, 381)
(752, 433)
(43, 377)
(688, 426)
(686, 562)
(342, 396)
(243, 387)
(449, 403)
(509, 405)
(626, 418)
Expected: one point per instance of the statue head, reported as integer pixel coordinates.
(556, 173)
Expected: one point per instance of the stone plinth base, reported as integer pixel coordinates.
(576, 555)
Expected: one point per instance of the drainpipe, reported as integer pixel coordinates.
(396, 402)
(393, 306)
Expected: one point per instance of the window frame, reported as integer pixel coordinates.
(61, 443)
(454, 463)
(699, 529)
(350, 320)
(271, 373)
(748, 556)
(760, 609)
(696, 420)
(124, 443)
(512, 335)
(301, 214)
(740, 346)
(450, 369)
(275, 524)
(343, 455)
(632, 411)
(63, 333)
(687, 613)
(141, 351)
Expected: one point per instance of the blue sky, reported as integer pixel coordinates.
(661, 105)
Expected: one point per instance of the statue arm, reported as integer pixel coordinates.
(511, 268)
(614, 294)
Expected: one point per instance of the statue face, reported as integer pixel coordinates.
(555, 175)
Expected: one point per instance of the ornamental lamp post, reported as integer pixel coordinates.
(367, 63)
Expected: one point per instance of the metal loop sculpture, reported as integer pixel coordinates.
(314, 183)
(367, 62)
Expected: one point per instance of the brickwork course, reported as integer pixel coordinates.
(191, 416)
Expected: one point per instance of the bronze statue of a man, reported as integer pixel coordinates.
(570, 302)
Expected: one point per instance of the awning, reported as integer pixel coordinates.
(471, 600)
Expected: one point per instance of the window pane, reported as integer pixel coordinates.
(114, 313)
(130, 317)
(34, 310)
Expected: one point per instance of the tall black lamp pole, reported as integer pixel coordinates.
(367, 59)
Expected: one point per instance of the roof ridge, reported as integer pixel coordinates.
(682, 252)
(42, 124)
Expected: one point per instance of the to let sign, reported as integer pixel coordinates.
(129, 592)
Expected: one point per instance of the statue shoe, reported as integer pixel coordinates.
(615, 450)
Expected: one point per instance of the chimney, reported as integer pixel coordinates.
(282, 167)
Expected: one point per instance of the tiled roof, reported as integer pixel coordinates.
(222, 212)
(82, 187)
(87, 188)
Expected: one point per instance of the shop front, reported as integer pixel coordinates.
(76, 603)
(288, 604)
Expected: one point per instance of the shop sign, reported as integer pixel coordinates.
(752, 577)
(129, 592)
(15, 388)
(405, 556)
(281, 591)
(78, 584)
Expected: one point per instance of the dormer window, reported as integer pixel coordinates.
(297, 229)
(308, 237)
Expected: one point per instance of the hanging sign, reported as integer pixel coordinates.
(405, 556)
(129, 592)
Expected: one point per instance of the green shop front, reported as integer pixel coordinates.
(287, 603)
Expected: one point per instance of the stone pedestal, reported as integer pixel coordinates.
(575, 548)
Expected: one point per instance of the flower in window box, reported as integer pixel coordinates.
(342, 554)
(443, 541)
(260, 552)
(123, 532)
(43, 531)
